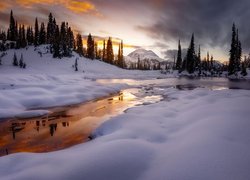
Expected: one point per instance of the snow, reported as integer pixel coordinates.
(143, 54)
(48, 82)
(196, 134)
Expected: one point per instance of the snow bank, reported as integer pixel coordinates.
(197, 134)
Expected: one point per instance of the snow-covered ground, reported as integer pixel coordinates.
(50, 82)
(197, 134)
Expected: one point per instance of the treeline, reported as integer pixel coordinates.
(61, 40)
(193, 62)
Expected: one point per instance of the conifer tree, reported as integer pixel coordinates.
(36, 37)
(110, 53)
(90, 47)
(50, 29)
(15, 62)
(120, 55)
(190, 58)
(104, 55)
(42, 34)
(79, 46)
(56, 45)
(12, 36)
(199, 59)
(71, 38)
(243, 69)
(23, 38)
(179, 57)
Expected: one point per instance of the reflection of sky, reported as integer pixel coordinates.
(151, 24)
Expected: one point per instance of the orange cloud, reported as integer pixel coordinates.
(81, 6)
(77, 6)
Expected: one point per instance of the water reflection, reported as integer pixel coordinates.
(184, 82)
(65, 126)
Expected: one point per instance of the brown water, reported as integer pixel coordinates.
(64, 127)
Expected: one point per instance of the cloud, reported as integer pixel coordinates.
(210, 20)
(172, 53)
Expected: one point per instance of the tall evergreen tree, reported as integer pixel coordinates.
(110, 53)
(190, 58)
(90, 47)
(42, 34)
(104, 52)
(50, 29)
(23, 40)
(120, 55)
(36, 37)
(199, 59)
(233, 52)
(79, 46)
(56, 43)
(179, 57)
(12, 36)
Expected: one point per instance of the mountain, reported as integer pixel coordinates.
(143, 54)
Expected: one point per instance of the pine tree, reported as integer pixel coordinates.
(12, 36)
(71, 38)
(179, 57)
(233, 52)
(190, 58)
(79, 46)
(23, 37)
(56, 45)
(120, 55)
(110, 53)
(96, 51)
(15, 62)
(199, 60)
(50, 29)
(90, 47)
(243, 69)
(21, 61)
(42, 34)
(104, 55)
(36, 37)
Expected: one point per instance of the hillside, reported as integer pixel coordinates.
(53, 82)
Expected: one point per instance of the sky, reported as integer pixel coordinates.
(151, 24)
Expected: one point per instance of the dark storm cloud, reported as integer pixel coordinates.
(172, 53)
(210, 20)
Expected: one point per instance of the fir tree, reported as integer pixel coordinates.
(71, 38)
(56, 45)
(104, 55)
(12, 35)
(50, 29)
(23, 37)
(42, 34)
(36, 37)
(90, 47)
(120, 55)
(15, 62)
(79, 46)
(110, 53)
(243, 69)
(190, 58)
(179, 57)
(199, 60)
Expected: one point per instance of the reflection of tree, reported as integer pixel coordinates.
(65, 124)
(16, 127)
(52, 128)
